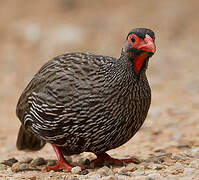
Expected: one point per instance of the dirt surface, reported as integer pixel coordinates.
(35, 31)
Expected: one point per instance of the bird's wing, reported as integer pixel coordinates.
(61, 94)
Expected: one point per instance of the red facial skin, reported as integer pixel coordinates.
(147, 45)
(139, 60)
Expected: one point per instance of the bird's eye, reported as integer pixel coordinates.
(132, 39)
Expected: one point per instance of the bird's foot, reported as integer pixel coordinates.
(104, 159)
(61, 165)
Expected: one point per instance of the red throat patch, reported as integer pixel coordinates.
(139, 61)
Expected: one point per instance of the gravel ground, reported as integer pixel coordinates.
(168, 143)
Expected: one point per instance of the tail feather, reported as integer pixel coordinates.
(27, 141)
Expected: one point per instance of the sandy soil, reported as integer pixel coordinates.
(33, 32)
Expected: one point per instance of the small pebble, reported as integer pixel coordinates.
(177, 169)
(83, 172)
(177, 158)
(168, 163)
(3, 167)
(111, 177)
(10, 162)
(159, 150)
(154, 176)
(93, 176)
(9, 170)
(51, 162)
(153, 159)
(105, 171)
(150, 178)
(129, 168)
(157, 167)
(183, 146)
(26, 160)
(32, 178)
(194, 164)
(20, 167)
(38, 162)
(194, 150)
(76, 170)
(138, 172)
(189, 171)
(43, 169)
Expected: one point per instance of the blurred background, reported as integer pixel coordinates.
(33, 32)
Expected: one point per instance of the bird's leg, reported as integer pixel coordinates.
(62, 164)
(105, 158)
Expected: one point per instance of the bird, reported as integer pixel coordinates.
(83, 102)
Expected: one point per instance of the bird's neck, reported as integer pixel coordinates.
(138, 63)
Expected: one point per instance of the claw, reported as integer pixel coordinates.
(62, 163)
(105, 158)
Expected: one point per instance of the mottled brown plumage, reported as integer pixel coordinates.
(85, 102)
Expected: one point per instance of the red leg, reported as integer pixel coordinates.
(62, 163)
(105, 158)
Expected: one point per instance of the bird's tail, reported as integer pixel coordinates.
(27, 141)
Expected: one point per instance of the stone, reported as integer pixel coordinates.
(84, 172)
(159, 150)
(74, 178)
(138, 173)
(93, 176)
(76, 170)
(128, 168)
(38, 162)
(177, 169)
(111, 177)
(194, 164)
(20, 167)
(32, 178)
(154, 176)
(189, 171)
(3, 167)
(25, 160)
(177, 158)
(183, 146)
(157, 166)
(10, 162)
(105, 171)
(51, 162)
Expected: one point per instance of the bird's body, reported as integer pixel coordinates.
(85, 102)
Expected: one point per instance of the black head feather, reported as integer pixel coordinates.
(141, 32)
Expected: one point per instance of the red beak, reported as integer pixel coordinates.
(148, 45)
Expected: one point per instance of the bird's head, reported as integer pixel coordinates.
(139, 46)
